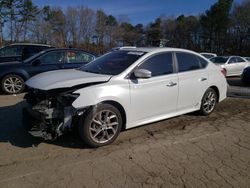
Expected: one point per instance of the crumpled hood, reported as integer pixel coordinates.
(64, 79)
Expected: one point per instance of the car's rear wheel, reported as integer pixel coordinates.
(208, 102)
(101, 125)
(12, 84)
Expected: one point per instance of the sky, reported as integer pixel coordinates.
(138, 11)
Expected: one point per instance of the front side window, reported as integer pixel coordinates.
(187, 62)
(79, 57)
(113, 63)
(159, 64)
(52, 58)
(233, 60)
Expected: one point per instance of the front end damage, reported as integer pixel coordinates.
(49, 114)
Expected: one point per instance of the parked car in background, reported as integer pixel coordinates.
(14, 74)
(234, 65)
(121, 90)
(208, 55)
(245, 77)
(247, 58)
(20, 51)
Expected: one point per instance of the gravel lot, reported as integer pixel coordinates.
(186, 151)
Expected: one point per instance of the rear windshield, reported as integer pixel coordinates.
(219, 60)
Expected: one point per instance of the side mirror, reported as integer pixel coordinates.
(36, 62)
(142, 73)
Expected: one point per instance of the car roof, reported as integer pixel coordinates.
(30, 44)
(156, 49)
(229, 56)
(207, 53)
(61, 49)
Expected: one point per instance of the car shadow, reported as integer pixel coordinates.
(12, 131)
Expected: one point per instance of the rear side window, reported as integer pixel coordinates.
(187, 62)
(79, 57)
(202, 61)
(10, 51)
(159, 64)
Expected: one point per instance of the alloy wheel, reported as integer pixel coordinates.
(104, 126)
(13, 84)
(209, 102)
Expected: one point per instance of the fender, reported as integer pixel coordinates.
(19, 72)
(94, 95)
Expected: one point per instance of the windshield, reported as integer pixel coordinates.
(33, 57)
(219, 60)
(113, 63)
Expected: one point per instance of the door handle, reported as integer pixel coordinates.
(203, 79)
(171, 84)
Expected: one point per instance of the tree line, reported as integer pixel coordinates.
(223, 29)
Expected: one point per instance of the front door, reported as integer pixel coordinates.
(53, 60)
(157, 96)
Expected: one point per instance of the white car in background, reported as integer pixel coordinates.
(208, 55)
(233, 65)
(120, 90)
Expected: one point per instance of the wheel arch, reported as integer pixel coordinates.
(23, 75)
(120, 108)
(217, 92)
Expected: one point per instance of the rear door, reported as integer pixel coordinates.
(193, 80)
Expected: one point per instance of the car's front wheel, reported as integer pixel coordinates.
(101, 125)
(208, 102)
(12, 84)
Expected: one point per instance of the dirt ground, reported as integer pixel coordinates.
(186, 151)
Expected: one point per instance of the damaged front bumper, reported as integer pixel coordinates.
(49, 114)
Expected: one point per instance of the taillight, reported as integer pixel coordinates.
(224, 72)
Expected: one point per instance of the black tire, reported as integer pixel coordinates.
(88, 125)
(208, 105)
(18, 82)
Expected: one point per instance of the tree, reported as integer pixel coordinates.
(72, 24)
(57, 23)
(27, 13)
(11, 12)
(2, 20)
(154, 33)
(111, 29)
(101, 19)
(241, 27)
(215, 23)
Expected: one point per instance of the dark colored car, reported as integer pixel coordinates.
(245, 77)
(14, 74)
(20, 51)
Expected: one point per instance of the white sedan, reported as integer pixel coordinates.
(233, 65)
(121, 90)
